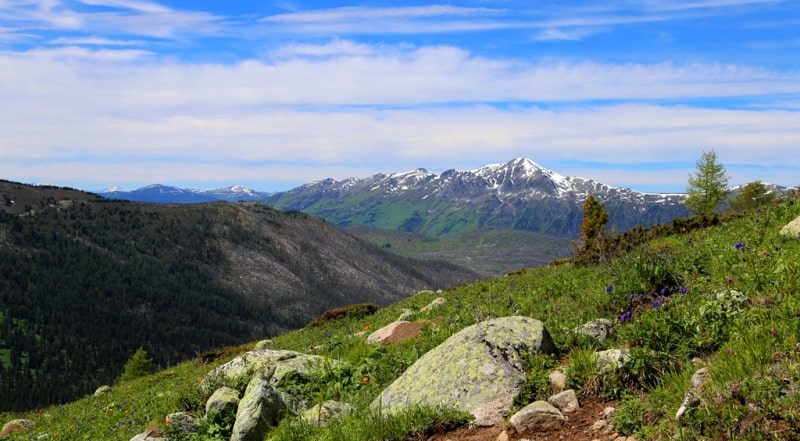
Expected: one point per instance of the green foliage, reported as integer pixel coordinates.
(753, 195)
(139, 365)
(595, 219)
(708, 186)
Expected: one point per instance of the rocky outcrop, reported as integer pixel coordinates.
(15, 426)
(395, 333)
(260, 409)
(434, 304)
(242, 368)
(478, 370)
(611, 359)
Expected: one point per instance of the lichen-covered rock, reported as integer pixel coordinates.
(405, 315)
(611, 359)
(792, 229)
(395, 333)
(242, 368)
(478, 370)
(182, 423)
(223, 401)
(537, 416)
(102, 390)
(323, 413)
(263, 344)
(599, 329)
(260, 409)
(16, 426)
(566, 401)
(436, 303)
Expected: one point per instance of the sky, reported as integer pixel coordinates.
(273, 94)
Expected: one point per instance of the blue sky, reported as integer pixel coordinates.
(273, 94)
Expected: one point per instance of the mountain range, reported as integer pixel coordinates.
(163, 194)
(518, 195)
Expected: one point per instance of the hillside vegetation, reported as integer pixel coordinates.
(85, 281)
(660, 287)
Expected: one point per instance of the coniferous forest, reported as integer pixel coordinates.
(84, 282)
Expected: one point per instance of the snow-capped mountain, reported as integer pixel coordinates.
(519, 194)
(163, 194)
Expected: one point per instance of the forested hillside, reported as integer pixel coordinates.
(84, 282)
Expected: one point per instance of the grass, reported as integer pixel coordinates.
(662, 295)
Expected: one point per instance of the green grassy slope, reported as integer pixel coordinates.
(661, 294)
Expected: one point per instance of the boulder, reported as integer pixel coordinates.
(102, 390)
(599, 329)
(223, 401)
(323, 413)
(395, 333)
(435, 304)
(405, 315)
(263, 344)
(537, 416)
(182, 423)
(792, 229)
(260, 409)
(566, 401)
(16, 426)
(611, 359)
(478, 370)
(152, 434)
(242, 368)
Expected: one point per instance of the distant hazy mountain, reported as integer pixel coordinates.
(517, 195)
(163, 194)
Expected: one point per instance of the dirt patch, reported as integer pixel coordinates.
(579, 427)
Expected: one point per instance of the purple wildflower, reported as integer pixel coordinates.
(656, 304)
(664, 291)
(739, 245)
(609, 288)
(631, 296)
(684, 290)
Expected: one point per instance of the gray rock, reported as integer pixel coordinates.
(792, 229)
(182, 422)
(599, 329)
(435, 304)
(478, 370)
(153, 434)
(611, 359)
(537, 416)
(324, 413)
(260, 409)
(102, 390)
(239, 370)
(405, 315)
(223, 401)
(566, 402)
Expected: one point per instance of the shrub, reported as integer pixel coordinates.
(351, 311)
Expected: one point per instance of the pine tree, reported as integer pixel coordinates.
(595, 219)
(137, 366)
(708, 187)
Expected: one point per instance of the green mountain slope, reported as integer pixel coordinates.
(667, 292)
(84, 282)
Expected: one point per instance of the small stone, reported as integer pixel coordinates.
(609, 411)
(558, 380)
(539, 415)
(435, 304)
(102, 390)
(503, 436)
(599, 425)
(566, 401)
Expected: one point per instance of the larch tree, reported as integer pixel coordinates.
(708, 186)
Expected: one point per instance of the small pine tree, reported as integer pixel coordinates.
(708, 187)
(595, 219)
(753, 195)
(139, 365)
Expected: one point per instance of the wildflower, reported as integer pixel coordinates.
(631, 296)
(729, 351)
(626, 316)
(365, 379)
(684, 290)
(168, 421)
(664, 291)
(729, 280)
(773, 331)
(609, 288)
(739, 245)
(656, 304)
